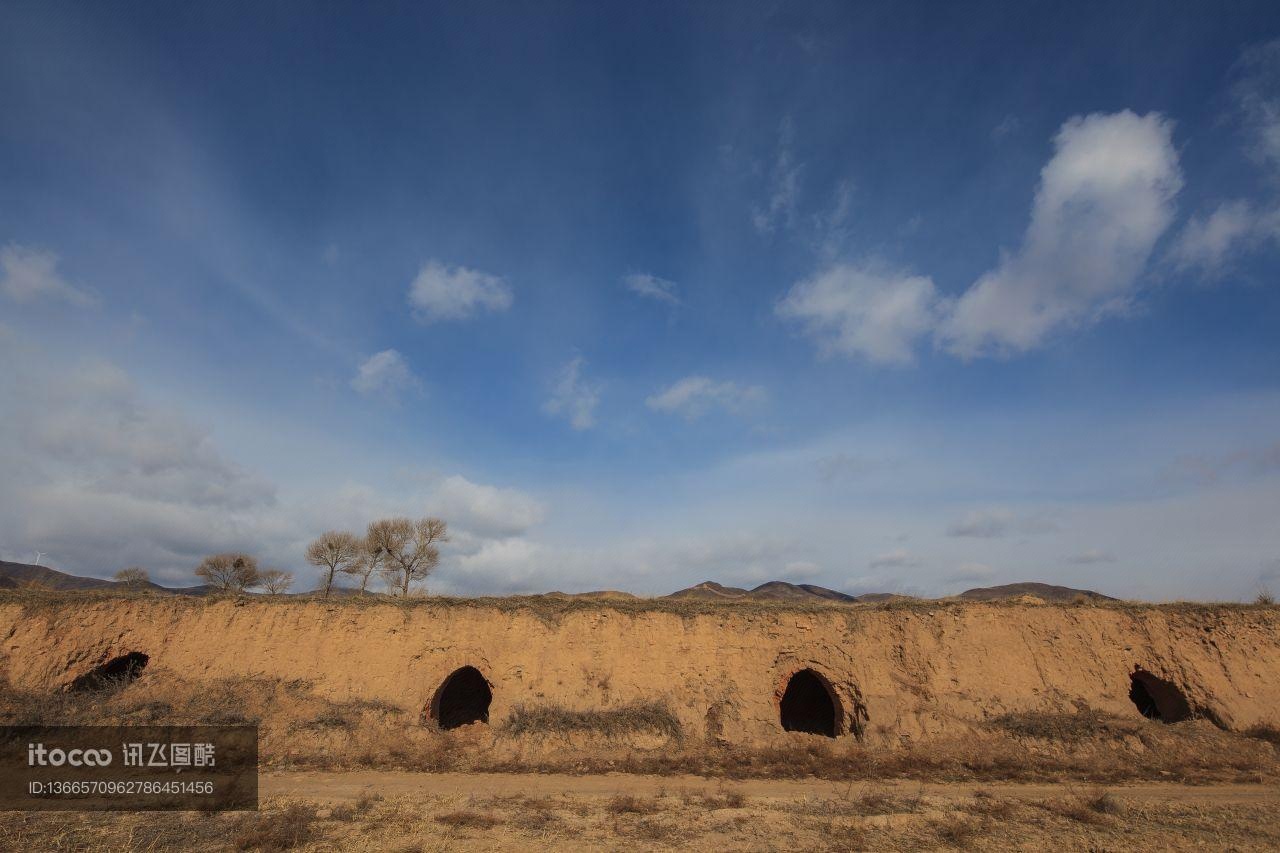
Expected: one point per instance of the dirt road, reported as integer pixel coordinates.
(348, 786)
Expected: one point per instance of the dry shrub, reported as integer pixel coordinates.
(631, 804)
(469, 819)
(958, 832)
(638, 717)
(1092, 807)
(655, 830)
(535, 820)
(722, 798)
(1063, 727)
(987, 804)
(1264, 731)
(293, 826)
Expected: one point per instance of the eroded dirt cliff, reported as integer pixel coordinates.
(894, 673)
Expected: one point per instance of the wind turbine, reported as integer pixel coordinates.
(39, 555)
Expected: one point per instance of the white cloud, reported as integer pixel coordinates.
(1105, 198)
(30, 275)
(652, 287)
(863, 311)
(487, 510)
(574, 397)
(385, 374)
(896, 559)
(453, 293)
(784, 185)
(98, 477)
(694, 396)
(998, 523)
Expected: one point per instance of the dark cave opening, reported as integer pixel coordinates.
(1156, 698)
(462, 699)
(809, 705)
(116, 672)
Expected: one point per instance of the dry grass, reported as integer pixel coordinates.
(1269, 733)
(293, 826)
(1075, 820)
(638, 717)
(630, 804)
(1065, 728)
(469, 819)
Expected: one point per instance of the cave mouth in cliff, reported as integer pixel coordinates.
(462, 699)
(1157, 699)
(116, 672)
(809, 705)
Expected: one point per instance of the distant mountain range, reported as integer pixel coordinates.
(17, 575)
(783, 591)
(1045, 591)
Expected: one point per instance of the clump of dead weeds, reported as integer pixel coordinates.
(631, 804)
(292, 826)
(1075, 727)
(638, 717)
(469, 819)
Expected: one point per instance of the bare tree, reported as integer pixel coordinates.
(370, 559)
(335, 551)
(134, 577)
(230, 572)
(410, 548)
(275, 581)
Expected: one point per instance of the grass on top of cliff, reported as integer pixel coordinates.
(552, 606)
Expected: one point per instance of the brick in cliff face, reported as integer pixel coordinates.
(722, 673)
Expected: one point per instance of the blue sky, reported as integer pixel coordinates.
(876, 296)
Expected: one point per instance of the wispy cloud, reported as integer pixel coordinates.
(843, 467)
(968, 573)
(573, 397)
(998, 523)
(652, 287)
(385, 374)
(784, 185)
(1209, 468)
(31, 275)
(441, 292)
(1091, 557)
(896, 559)
(1209, 244)
(1008, 126)
(693, 396)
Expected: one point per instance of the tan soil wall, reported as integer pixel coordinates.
(916, 672)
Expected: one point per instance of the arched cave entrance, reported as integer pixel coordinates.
(462, 699)
(114, 673)
(1157, 699)
(810, 705)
